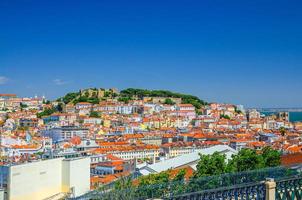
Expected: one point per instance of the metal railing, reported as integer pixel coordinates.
(252, 191)
(289, 188)
(227, 186)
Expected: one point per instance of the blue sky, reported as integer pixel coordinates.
(243, 52)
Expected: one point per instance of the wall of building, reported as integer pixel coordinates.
(2, 194)
(35, 180)
(76, 175)
(43, 179)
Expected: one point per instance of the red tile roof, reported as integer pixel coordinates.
(291, 159)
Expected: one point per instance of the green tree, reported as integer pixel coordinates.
(123, 183)
(180, 176)
(46, 102)
(209, 165)
(271, 157)
(107, 94)
(282, 131)
(140, 93)
(159, 178)
(59, 107)
(124, 99)
(94, 94)
(245, 160)
(70, 97)
(153, 185)
(82, 99)
(225, 117)
(86, 94)
(23, 105)
(94, 114)
(237, 110)
(114, 95)
(178, 183)
(46, 112)
(169, 101)
(93, 100)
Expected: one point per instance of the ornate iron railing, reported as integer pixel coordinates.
(289, 189)
(256, 191)
(235, 186)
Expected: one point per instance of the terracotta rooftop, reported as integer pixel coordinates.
(291, 159)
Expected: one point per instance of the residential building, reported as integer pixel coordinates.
(44, 179)
(65, 133)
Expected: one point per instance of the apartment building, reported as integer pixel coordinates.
(65, 133)
(56, 178)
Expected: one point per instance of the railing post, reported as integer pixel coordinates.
(270, 185)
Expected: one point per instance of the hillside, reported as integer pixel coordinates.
(140, 93)
(94, 95)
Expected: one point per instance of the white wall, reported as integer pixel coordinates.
(2, 194)
(43, 179)
(35, 180)
(76, 174)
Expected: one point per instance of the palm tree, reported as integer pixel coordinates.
(282, 130)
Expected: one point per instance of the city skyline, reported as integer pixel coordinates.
(237, 52)
(153, 99)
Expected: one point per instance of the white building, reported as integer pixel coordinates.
(253, 114)
(151, 153)
(92, 120)
(190, 159)
(174, 151)
(55, 178)
(125, 109)
(66, 133)
(241, 108)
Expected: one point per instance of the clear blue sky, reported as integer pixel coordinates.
(243, 52)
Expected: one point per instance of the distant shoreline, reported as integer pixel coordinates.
(277, 109)
(293, 116)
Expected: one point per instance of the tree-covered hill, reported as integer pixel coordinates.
(140, 93)
(127, 95)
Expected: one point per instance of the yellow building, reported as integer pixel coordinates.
(107, 123)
